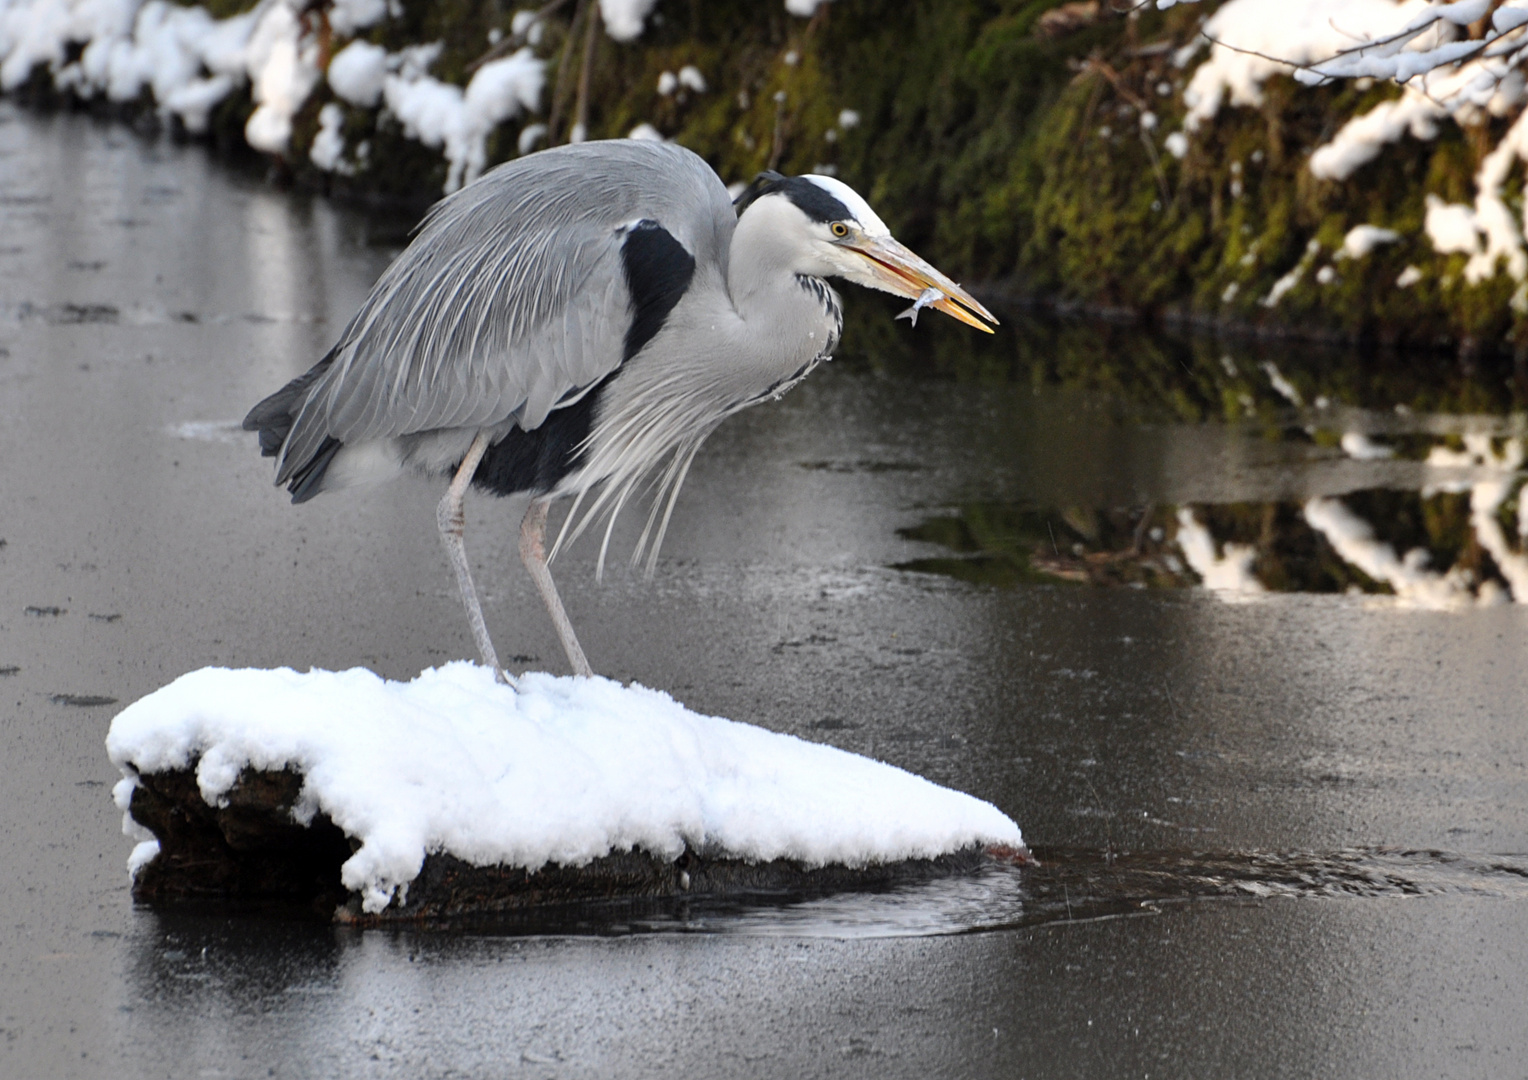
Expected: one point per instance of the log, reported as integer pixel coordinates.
(251, 853)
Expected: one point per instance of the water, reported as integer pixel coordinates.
(1280, 834)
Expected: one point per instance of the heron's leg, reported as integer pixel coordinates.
(453, 522)
(533, 554)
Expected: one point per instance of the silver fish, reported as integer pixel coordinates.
(928, 296)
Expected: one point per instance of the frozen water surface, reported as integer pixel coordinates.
(1282, 834)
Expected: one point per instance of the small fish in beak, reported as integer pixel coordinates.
(927, 297)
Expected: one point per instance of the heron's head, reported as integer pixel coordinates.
(828, 230)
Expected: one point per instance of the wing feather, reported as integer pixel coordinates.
(511, 298)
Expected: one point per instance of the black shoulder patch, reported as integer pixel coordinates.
(658, 271)
(813, 201)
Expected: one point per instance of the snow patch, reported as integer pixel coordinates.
(348, 16)
(1451, 227)
(624, 18)
(1362, 138)
(357, 73)
(1360, 447)
(1362, 239)
(442, 115)
(328, 149)
(190, 62)
(283, 68)
(563, 770)
(1299, 31)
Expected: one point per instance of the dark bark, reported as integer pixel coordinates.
(250, 852)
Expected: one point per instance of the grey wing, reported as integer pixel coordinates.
(511, 299)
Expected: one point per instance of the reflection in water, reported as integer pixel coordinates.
(1065, 885)
(1299, 485)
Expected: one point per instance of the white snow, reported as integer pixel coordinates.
(1408, 277)
(563, 770)
(1299, 31)
(283, 68)
(645, 132)
(1362, 239)
(691, 78)
(348, 16)
(1451, 227)
(328, 149)
(190, 62)
(668, 82)
(127, 46)
(1503, 234)
(530, 135)
(357, 72)
(1414, 43)
(1284, 284)
(1361, 139)
(624, 18)
(444, 115)
(1230, 572)
(1360, 447)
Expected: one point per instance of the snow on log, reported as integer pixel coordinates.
(451, 794)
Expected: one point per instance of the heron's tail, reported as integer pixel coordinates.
(273, 419)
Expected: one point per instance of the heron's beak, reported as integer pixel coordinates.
(894, 269)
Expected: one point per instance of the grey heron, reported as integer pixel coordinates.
(575, 323)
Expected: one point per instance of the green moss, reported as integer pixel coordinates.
(1005, 157)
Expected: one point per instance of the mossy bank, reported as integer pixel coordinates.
(1020, 145)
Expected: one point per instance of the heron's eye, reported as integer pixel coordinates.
(840, 230)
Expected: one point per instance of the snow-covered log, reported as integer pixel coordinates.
(453, 795)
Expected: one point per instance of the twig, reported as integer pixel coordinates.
(1142, 106)
(586, 72)
(509, 41)
(560, 91)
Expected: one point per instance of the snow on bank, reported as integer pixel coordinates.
(1296, 31)
(439, 114)
(1446, 77)
(625, 19)
(564, 770)
(191, 62)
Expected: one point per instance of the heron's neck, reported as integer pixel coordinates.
(769, 286)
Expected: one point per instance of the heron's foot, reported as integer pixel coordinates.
(504, 678)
